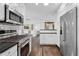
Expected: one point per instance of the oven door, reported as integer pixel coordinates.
(25, 48)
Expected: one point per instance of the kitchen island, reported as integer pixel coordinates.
(48, 37)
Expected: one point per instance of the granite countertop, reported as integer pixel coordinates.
(44, 31)
(6, 45)
(48, 29)
(16, 38)
(8, 42)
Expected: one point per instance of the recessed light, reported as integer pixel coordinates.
(36, 3)
(45, 4)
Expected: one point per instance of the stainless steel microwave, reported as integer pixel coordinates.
(9, 15)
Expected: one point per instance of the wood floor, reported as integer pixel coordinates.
(46, 50)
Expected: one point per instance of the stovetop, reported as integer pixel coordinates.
(18, 38)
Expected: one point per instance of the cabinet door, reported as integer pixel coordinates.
(2, 12)
(48, 39)
(10, 52)
(42, 38)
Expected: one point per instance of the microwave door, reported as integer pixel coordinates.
(12, 17)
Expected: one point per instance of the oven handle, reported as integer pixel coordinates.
(24, 43)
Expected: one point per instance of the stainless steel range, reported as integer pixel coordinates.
(7, 31)
(24, 46)
(9, 34)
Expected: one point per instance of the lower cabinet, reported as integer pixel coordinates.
(10, 52)
(48, 39)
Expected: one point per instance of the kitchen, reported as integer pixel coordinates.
(27, 29)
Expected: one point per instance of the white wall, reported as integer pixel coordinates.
(38, 19)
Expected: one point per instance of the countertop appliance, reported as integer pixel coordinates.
(7, 14)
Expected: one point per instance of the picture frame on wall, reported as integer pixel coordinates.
(49, 25)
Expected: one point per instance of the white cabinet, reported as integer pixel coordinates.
(10, 52)
(48, 39)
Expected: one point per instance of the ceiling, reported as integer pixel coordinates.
(51, 8)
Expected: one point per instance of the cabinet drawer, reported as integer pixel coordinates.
(9, 51)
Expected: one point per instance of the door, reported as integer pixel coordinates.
(68, 37)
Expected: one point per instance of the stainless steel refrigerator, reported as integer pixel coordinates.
(68, 33)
